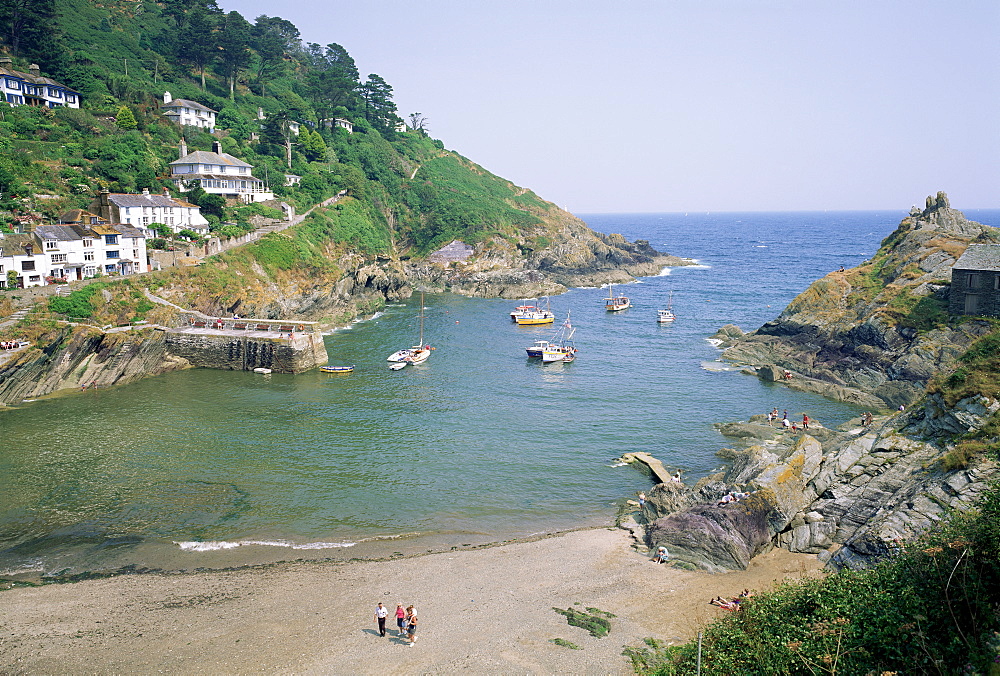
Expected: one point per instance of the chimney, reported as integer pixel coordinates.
(35, 70)
(166, 192)
(167, 98)
(6, 62)
(104, 204)
(183, 148)
(260, 111)
(145, 191)
(216, 147)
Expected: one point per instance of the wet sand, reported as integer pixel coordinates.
(487, 611)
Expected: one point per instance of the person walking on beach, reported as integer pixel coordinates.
(411, 624)
(805, 421)
(380, 614)
(400, 619)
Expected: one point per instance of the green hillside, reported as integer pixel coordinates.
(122, 55)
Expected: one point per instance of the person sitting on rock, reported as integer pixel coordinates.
(724, 500)
(661, 555)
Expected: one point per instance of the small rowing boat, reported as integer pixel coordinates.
(336, 369)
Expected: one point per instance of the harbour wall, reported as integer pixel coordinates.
(281, 352)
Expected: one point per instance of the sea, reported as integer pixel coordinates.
(205, 469)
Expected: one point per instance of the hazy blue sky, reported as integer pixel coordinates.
(663, 105)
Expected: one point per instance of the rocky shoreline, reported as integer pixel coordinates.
(849, 495)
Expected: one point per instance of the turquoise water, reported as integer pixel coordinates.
(208, 468)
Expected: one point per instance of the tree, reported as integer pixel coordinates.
(272, 39)
(380, 110)
(234, 41)
(29, 27)
(313, 144)
(200, 41)
(333, 78)
(124, 118)
(419, 123)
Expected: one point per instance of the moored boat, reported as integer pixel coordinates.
(533, 316)
(664, 316)
(561, 348)
(615, 303)
(535, 349)
(336, 369)
(419, 352)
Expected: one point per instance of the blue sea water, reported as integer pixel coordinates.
(208, 468)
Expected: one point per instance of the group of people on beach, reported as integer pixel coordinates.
(731, 496)
(866, 419)
(406, 621)
(731, 605)
(772, 415)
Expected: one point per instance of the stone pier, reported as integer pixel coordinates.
(247, 344)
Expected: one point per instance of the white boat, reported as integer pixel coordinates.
(261, 369)
(615, 303)
(535, 349)
(561, 348)
(397, 365)
(419, 352)
(664, 316)
(533, 316)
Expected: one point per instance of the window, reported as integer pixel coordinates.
(35, 278)
(58, 258)
(87, 243)
(972, 280)
(16, 99)
(27, 265)
(111, 240)
(1, 268)
(88, 255)
(145, 220)
(996, 283)
(71, 98)
(55, 93)
(13, 84)
(112, 254)
(51, 244)
(89, 270)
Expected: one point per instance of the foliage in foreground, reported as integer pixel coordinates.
(593, 620)
(932, 608)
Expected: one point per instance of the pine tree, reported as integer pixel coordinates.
(125, 119)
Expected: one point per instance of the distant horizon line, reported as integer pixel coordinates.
(766, 211)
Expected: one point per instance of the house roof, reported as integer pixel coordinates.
(980, 257)
(63, 233)
(205, 157)
(221, 177)
(143, 200)
(185, 103)
(80, 216)
(14, 244)
(128, 231)
(35, 79)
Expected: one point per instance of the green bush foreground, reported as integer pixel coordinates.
(932, 607)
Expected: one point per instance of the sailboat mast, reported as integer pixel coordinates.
(421, 319)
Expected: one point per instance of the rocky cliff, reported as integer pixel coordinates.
(875, 334)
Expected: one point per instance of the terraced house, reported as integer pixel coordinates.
(31, 89)
(55, 253)
(145, 209)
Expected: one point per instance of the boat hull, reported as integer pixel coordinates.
(336, 369)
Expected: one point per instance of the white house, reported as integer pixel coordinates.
(74, 252)
(219, 173)
(32, 89)
(188, 113)
(142, 210)
(337, 123)
(22, 254)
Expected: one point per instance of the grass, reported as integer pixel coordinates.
(594, 621)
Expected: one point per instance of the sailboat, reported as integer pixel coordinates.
(664, 316)
(534, 316)
(615, 303)
(561, 348)
(419, 352)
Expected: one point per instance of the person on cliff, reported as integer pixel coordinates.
(642, 500)
(805, 421)
(661, 555)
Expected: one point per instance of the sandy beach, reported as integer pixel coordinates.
(487, 610)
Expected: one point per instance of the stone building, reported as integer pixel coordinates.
(975, 282)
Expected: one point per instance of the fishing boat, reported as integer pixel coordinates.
(561, 348)
(535, 349)
(419, 352)
(664, 316)
(521, 309)
(535, 316)
(615, 303)
(336, 369)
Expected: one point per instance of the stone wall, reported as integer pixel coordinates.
(985, 287)
(248, 351)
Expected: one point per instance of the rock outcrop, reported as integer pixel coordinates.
(880, 329)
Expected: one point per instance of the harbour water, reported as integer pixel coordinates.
(207, 468)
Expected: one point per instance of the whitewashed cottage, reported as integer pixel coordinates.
(144, 209)
(188, 113)
(219, 173)
(31, 89)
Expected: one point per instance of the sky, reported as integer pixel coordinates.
(693, 105)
